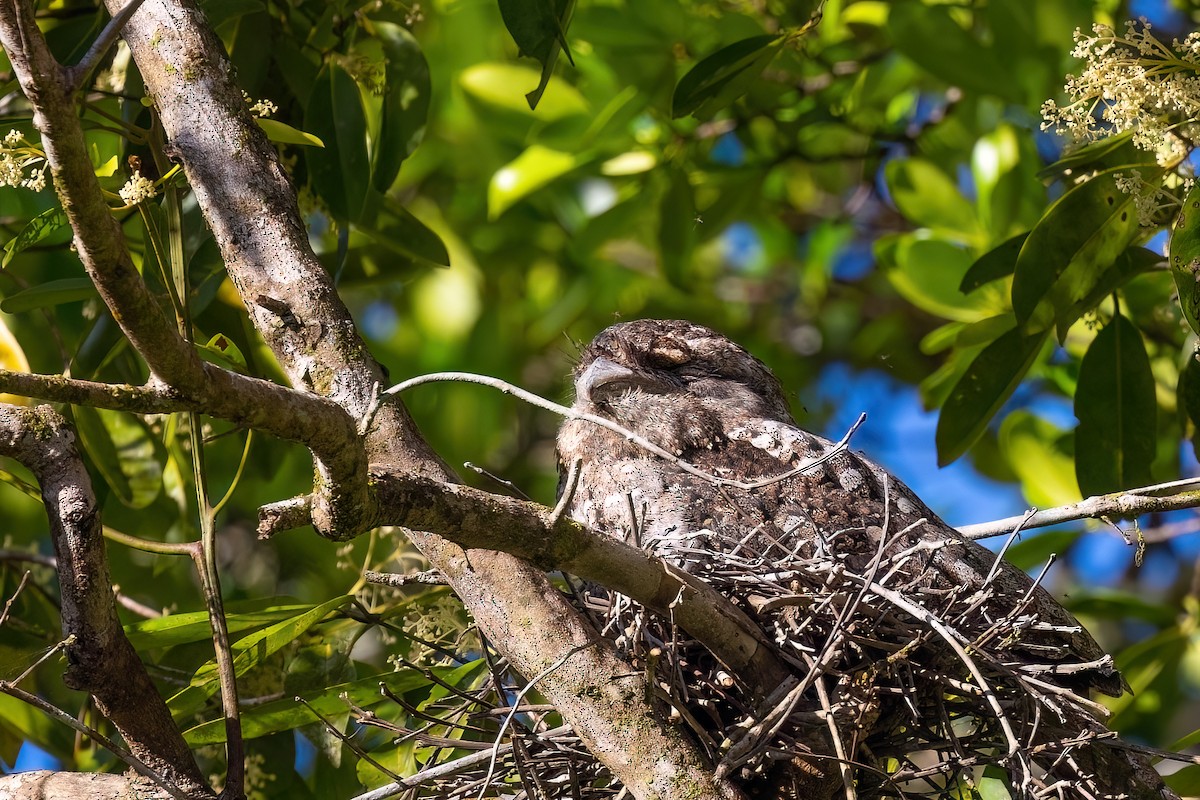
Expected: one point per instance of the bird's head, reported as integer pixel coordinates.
(676, 382)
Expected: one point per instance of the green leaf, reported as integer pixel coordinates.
(930, 37)
(993, 784)
(722, 77)
(1189, 398)
(177, 629)
(285, 134)
(405, 103)
(492, 83)
(677, 227)
(34, 231)
(1185, 782)
(221, 350)
(248, 653)
(1039, 452)
(390, 224)
(50, 293)
(997, 263)
(927, 273)
(1131, 263)
(1116, 407)
(1184, 256)
(34, 725)
(107, 169)
(928, 197)
(1185, 742)
(525, 174)
(988, 382)
(287, 714)
(539, 27)
(340, 172)
(1088, 156)
(1079, 237)
(124, 451)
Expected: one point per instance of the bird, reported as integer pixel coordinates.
(919, 656)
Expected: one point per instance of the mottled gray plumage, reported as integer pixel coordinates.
(714, 405)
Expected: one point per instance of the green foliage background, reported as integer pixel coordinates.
(471, 231)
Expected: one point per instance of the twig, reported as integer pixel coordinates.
(517, 704)
(569, 413)
(507, 484)
(76, 76)
(569, 487)
(1126, 504)
(347, 740)
(13, 598)
(451, 768)
(65, 643)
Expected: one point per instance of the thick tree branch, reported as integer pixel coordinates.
(342, 463)
(476, 519)
(250, 206)
(45, 785)
(101, 660)
(312, 420)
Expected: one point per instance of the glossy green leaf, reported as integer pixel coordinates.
(527, 173)
(997, 263)
(928, 197)
(1067, 252)
(37, 229)
(1116, 407)
(539, 27)
(248, 652)
(127, 455)
(194, 626)
(1184, 257)
(988, 382)
(287, 714)
(1091, 154)
(677, 227)
(285, 134)
(1131, 263)
(405, 103)
(340, 171)
(722, 77)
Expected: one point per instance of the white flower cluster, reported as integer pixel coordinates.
(17, 155)
(137, 189)
(260, 108)
(1134, 83)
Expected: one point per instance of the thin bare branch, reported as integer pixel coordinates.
(569, 413)
(1126, 504)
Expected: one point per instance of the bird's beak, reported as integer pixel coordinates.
(599, 374)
